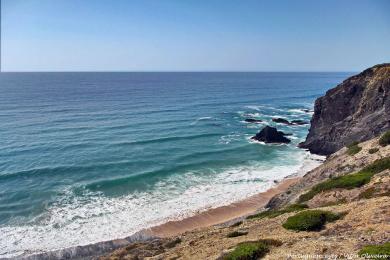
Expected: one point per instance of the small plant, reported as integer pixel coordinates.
(373, 150)
(271, 242)
(376, 251)
(353, 148)
(334, 203)
(348, 181)
(236, 224)
(311, 220)
(173, 242)
(237, 233)
(275, 213)
(368, 193)
(385, 139)
(248, 251)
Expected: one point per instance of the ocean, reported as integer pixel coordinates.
(87, 157)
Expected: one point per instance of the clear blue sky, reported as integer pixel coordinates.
(198, 35)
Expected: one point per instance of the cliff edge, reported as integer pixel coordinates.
(358, 109)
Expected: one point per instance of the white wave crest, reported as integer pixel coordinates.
(83, 220)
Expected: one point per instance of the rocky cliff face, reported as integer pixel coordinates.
(356, 110)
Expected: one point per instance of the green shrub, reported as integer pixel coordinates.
(348, 181)
(353, 148)
(377, 166)
(275, 213)
(385, 139)
(237, 234)
(376, 251)
(373, 150)
(248, 251)
(311, 220)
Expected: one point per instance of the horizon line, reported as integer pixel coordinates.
(178, 71)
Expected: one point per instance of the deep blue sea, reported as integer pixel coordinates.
(86, 157)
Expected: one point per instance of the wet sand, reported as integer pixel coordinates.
(221, 214)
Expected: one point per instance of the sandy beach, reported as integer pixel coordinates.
(221, 214)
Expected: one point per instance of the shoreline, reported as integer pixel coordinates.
(222, 214)
(211, 217)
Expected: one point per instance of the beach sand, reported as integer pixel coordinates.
(221, 214)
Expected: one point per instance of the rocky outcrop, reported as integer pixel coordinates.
(299, 122)
(286, 122)
(271, 135)
(281, 121)
(356, 110)
(252, 120)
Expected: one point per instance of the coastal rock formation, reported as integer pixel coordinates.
(252, 120)
(271, 135)
(286, 122)
(281, 121)
(299, 122)
(358, 109)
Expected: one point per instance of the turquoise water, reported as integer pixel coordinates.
(86, 157)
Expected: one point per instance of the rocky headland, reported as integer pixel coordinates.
(356, 110)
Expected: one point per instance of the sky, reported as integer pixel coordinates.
(194, 35)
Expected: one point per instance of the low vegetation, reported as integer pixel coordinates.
(252, 250)
(373, 150)
(173, 243)
(275, 213)
(348, 181)
(376, 251)
(310, 220)
(385, 139)
(368, 193)
(353, 148)
(248, 251)
(237, 233)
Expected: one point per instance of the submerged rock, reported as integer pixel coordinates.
(252, 120)
(281, 121)
(271, 135)
(299, 122)
(358, 109)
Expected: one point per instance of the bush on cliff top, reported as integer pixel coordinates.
(252, 250)
(376, 251)
(373, 150)
(248, 251)
(353, 148)
(311, 220)
(385, 139)
(348, 181)
(275, 213)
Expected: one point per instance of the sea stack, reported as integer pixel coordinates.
(271, 135)
(358, 109)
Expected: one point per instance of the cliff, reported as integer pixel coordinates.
(356, 110)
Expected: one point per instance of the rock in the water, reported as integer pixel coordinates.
(356, 110)
(299, 122)
(252, 120)
(271, 135)
(281, 121)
